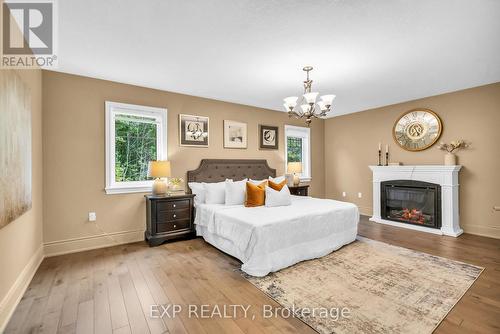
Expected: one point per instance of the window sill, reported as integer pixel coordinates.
(127, 190)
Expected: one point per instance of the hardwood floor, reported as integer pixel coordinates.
(111, 290)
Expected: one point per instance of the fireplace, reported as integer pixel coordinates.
(411, 202)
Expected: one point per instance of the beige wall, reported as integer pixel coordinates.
(473, 114)
(21, 240)
(73, 124)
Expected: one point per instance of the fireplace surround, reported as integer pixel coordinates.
(439, 179)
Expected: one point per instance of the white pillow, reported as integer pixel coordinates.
(256, 181)
(198, 189)
(235, 192)
(215, 193)
(278, 198)
(277, 179)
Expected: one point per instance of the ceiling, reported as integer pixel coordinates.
(369, 53)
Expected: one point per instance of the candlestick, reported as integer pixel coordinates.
(387, 158)
(379, 157)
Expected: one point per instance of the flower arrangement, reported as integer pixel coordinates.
(175, 182)
(453, 145)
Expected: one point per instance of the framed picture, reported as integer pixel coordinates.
(193, 130)
(268, 137)
(235, 134)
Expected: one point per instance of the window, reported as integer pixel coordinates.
(135, 135)
(297, 148)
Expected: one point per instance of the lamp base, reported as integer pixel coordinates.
(296, 180)
(159, 187)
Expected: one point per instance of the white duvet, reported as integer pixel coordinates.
(269, 239)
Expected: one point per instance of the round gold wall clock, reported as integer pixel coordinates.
(417, 129)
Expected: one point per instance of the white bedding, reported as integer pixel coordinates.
(267, 239)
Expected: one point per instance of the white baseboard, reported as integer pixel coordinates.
(11, 300)
(484, 231)
(81, 244)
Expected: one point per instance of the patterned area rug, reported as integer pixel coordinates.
(371, 287)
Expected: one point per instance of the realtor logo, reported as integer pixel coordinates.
(28, 34)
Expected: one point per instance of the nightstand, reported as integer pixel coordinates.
(299, 190)
(168, 217)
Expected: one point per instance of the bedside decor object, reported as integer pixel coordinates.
(450, 159)
(235, 134)
(268, 137)
(308, 107)
(302, 190)
(168, 217)
(295, 168)
(379, 154)
(417, 129)
(158, 170)
(175, 184)
(193, 130)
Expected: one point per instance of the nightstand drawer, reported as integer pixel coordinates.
(173, 205)
(171, 215)
(173, 226)
(302, 192)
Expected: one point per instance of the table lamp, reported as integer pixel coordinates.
(295, 168)
(158, 170)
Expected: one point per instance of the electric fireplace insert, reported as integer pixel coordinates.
(411, 202)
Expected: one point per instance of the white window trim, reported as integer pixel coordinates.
(160, 114)
(305, 134)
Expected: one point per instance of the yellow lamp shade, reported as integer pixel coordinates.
(294, 167)
(158, 169)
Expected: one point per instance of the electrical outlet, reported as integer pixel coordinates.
(344, 194)
(360, 195)
(92, 217)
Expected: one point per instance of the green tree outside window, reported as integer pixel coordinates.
(135, 146)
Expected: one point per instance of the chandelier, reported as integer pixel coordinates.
(308, 106)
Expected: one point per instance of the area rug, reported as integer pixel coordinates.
(370, 287)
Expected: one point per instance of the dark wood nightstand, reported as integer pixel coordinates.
(299, 190)
(168, 217)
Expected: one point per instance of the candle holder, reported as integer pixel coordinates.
(379, 158)
(387, 158)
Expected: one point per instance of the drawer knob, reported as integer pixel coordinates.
(175, 205)
(175, 216)
(175, 226)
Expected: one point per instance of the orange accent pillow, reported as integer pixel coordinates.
(277, 186)
(256, 194)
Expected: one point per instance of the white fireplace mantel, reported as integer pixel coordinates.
(445, 176)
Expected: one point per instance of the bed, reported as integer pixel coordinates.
(269, 239)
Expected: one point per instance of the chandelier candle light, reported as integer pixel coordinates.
(308, 106)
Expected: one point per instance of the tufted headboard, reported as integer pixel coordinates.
(217, 170)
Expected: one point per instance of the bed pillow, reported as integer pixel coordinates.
(257, 182)
(277, 186)
(235, 192)
(198, 189)
(278, 198)
(278, 179)
(215, 193)
(255, 194)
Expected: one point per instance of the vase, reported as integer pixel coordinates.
(450, 159)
